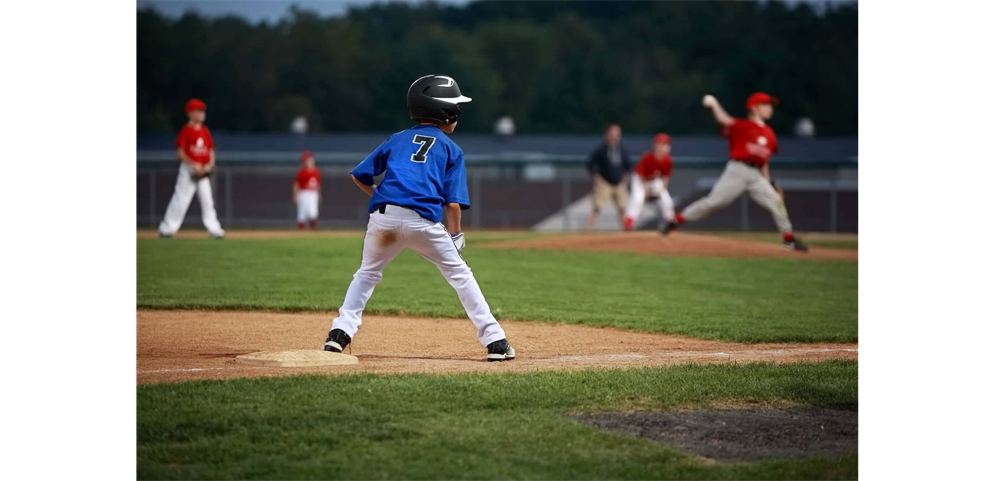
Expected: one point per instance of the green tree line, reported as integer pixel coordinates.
(560, 67)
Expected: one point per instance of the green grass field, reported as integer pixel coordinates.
(507, 426)
(488, 426)
(747, 300)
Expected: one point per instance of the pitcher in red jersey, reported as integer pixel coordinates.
(751, 144)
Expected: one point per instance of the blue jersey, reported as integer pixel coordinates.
(424, 171)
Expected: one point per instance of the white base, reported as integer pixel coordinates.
(297, 358)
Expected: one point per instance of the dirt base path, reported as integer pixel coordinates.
(676, 244)
(178, 346)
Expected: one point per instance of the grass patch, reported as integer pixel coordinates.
(471, 426)
(746, 300)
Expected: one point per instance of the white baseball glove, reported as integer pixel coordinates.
(459, 241)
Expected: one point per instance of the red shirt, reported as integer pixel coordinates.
(196, 143)
(650, 168)
(308, 179)
(749, 142)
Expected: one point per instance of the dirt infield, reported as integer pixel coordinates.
(178, 346)
(676, 244)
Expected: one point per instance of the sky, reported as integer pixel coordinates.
(273, 10)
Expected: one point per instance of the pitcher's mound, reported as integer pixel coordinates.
(296, 358)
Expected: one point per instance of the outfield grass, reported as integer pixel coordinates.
(747, 300)
(479, 426)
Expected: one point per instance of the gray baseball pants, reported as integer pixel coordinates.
(736, 179)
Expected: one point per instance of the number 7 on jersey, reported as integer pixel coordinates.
(426, 143)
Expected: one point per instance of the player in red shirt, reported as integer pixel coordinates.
(751, 144)
(650, 182)
(307, 192)
(195, 148)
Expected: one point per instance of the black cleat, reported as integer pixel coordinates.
(500, 351)
(165, 236)
(796, 244)
(668, 226)
(337, 341)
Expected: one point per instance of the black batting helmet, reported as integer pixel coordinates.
(435, 97)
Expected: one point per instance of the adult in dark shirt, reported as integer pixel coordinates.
(609, 167)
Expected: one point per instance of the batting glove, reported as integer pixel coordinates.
(459, 241)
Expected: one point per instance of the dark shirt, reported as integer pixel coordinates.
(610, 164)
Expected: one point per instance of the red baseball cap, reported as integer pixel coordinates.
(661, 139)
(306, 155)
(196, 104)
(760, 98)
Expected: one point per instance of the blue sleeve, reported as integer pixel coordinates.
(454, 187)
(373, 165)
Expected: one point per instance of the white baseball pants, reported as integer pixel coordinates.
(307, 205)
(386, 236)
(637, 197)
(182, 195)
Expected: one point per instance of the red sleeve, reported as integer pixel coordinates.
(300, 177)
(737, 124)
(181, 139)
(210, 140)
(776, 146)
(668, 166)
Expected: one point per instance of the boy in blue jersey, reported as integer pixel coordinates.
(424, 179)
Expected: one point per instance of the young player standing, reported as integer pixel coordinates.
(424, 177)
(307, 192)
(651, 180)
(751, 144)
(195, 148)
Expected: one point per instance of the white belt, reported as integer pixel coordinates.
(398, 212)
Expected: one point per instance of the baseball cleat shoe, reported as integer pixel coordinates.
(796, 244)
(668, 226)
(500, 351)
(628, 224)
(217, 236)
(163, 235)
(337, 341)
